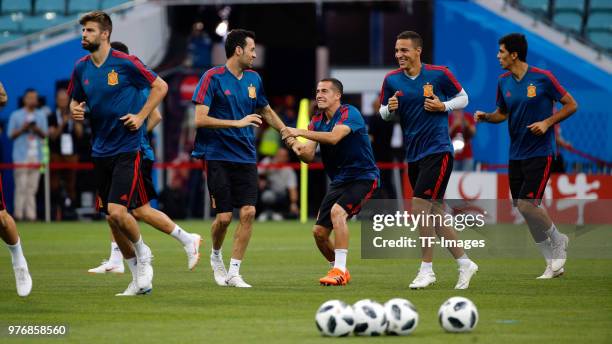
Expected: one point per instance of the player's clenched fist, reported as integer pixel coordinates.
(250, 120)
(480, 116)
(78, 111)
(393, 102)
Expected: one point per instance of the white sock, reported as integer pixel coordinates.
(17, 254)
(116, 257)
(132, 265)
(217, 254)
(181, 235)
(463, 261)
(553, 233)
(545, 248)
(234, 267)
(332, 264)
(140, 247)
(340, 262)
(426, 267)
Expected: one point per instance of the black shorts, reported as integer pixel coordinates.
(350, 196)
(429, 176)
(2, 204)
(528, 178)
(146, 187)
(231, 184)
(119, 181)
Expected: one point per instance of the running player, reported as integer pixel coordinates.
(349, 163)
(230, 101)
(422, 95)
(106, 86)
(526, 96)
(155, 218)
(8, 232)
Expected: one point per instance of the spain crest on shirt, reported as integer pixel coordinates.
(428, 90)
(531, 91)
(113, 78)
(252, 92)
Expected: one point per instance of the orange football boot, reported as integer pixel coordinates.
(334, 277)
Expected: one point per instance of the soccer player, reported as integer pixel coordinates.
(153, 217)
(106, 86)
(349, 163)
(8, 232)
(230, 101)
(526, 96)
(422, 95)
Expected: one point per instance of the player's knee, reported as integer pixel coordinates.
(338, 213)
(224, 219)
(525, 207)
(320, 233)
(115, 215)
(247, 213)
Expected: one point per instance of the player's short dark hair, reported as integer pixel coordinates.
(336, 84)
(100, 17)
(413, 36)
(29, 90)
(515, 43)
(120, 47)
(236, 38)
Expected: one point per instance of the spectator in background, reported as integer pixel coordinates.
(27, 128)
(558, 165)
(462, 128)
(381, 133)
(199, 48)
(278, 193)
(3, 96)
(64, 133)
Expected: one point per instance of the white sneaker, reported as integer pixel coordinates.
(144, 270)
(107, 267)
(423, 280)
(465, 275)
(23, 280)
(219, 271)
(237, 281)
(193, 251)
(549, 273)
(133, 290)
(559, 252)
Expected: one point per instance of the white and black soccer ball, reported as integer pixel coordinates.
(335, 319)
(370, 318)
(402, 317)
(458, 314)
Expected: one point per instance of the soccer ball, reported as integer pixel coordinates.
(335, 319)
(402, 317)
(458, 314)
(370, 319)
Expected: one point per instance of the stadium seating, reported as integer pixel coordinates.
(569, 20)
(39, 23)
(9, 37)
(539, 7)
(8, 24)
(600, 21)
(569, 6)
(600, 6)
(602, 39)
(112, 3)
(16, 6)
(57, 6)
(82, 6)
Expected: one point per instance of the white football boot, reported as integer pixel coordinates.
(23, 280)
(423, 280)
(237, 281)
(193, 251)
(107, 267)
(465, 275)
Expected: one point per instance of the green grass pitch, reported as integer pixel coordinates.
(284, 265)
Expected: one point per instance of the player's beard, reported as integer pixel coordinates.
(91, 46)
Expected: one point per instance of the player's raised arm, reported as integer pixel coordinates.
(159, 88)
(569, 108)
